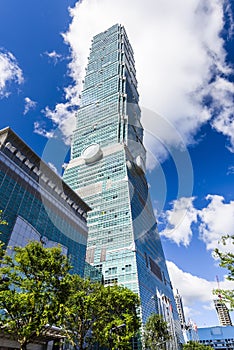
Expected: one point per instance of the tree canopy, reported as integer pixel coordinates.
(32, 291)
(121, 321)
(227, 262)
(156, 332)
(37, 291)
(98, 314)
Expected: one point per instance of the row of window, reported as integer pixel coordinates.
(107, 136)
(113, 270)
(117, 173)
(101, 37)
(112, 57)
(104, 50)
(103, 74)
(96, 93)
(104, 239)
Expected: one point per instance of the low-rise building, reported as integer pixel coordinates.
(218, 337)
(37, 204)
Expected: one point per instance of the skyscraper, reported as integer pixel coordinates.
(107, 169)
(223, 313)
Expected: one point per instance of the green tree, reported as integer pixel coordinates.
(33, 291)
(82, 308)
(227, 262)
(98, 314)
(193, 345)
(156, 332)
(121, 321)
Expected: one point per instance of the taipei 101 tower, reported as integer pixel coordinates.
(107, 169)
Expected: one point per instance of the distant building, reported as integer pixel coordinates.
(218, 337)
(223, 313)
(38, 204)
(180, 309)
(189, 329)
(190, 332)
(50, 340)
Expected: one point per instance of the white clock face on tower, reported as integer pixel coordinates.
(92, 153)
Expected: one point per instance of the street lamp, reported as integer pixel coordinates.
(115, 330)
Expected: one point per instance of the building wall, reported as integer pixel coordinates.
(37, 204)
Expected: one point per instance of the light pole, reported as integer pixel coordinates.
(115, 330)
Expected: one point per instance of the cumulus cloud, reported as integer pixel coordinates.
(223, 90)
(9, 72)
(29, 104)
(216, 221)
(213, 221)
(64, 118)
(194, 290)
(229, 14)
(179, 54)
(179, 221)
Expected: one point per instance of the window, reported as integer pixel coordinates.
(112, 270)
(128, 268)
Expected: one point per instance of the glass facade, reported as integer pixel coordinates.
(107, 169)
(37, 204)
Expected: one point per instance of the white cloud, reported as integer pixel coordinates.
(53, 55)
(29, 104)
(179, 54)
(179, 221)
(212, 222)
(229, 14)
(9, 72)
(64, 117)
(216, 221)
(40, 130)
(195, 290)
(223, 90)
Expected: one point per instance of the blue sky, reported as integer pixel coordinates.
(184, 53)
